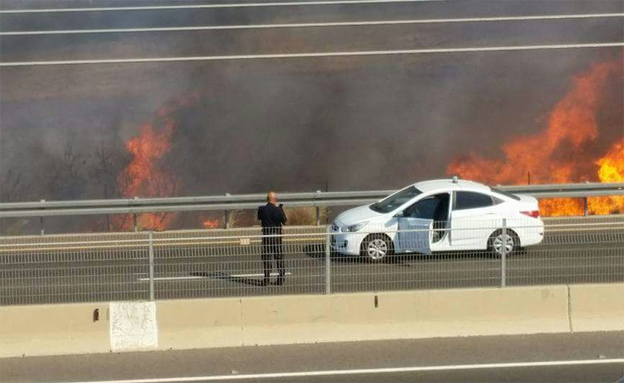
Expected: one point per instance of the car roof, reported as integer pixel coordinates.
(448, 184)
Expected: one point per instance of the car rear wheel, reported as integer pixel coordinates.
(499, 243)
(377, 247)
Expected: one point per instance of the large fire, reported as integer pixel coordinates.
(146, 175)
(560, 153)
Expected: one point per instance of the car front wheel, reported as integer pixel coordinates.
(377, 247)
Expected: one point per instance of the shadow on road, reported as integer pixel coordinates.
(318, 251)
(483, 255)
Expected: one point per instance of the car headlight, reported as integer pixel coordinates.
(356, 227)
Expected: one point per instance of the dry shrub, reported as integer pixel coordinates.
(305, 216)
(301, 216)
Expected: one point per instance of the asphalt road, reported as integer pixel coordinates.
(569, 358)
(116, 267)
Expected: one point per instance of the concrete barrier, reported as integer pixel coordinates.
(53, 329)
(230, 322)
(598, 307)
(404, 315)
(199, 323)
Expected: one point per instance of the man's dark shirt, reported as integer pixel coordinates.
(272, 218)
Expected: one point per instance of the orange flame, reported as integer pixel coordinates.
(146, 175)
(143, 176)
(611, 170)
(211, 223)
(558, 154)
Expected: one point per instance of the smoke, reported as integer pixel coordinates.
(291, 125)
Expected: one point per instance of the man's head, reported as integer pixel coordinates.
(272, 197)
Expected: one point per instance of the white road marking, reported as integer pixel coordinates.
(306, 55)
(313, 25)
(210, 6)
(209, 276)
(171, 278)
(365, 371)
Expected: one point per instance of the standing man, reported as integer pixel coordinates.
(272, 217)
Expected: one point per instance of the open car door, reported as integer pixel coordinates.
(415, 235)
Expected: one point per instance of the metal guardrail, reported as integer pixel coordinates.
(229, 202)
(251, 201)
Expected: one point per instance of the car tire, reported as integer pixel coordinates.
(495, 243)
(377, 247)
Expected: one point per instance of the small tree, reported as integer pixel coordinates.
(66, 176)
(11, 186)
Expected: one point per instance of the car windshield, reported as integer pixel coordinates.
(395, 200)
(495, 190)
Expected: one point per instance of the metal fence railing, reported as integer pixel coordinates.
(229, 263)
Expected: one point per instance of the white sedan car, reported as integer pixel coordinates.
(439, 215)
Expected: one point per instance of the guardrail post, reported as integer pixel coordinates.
(151, 264)
(226, 215)
(134, 219)
(504, 255)
(318, 211)
(585, 207)
(41, 227)
(328, 262)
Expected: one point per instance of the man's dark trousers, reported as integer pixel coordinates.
(272, 249)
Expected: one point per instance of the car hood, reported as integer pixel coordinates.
(358, 214)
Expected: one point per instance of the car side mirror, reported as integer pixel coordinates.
(399, 215)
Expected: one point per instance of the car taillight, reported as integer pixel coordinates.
(532, 213)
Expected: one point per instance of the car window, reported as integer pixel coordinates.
(395, 200)
(497, 200)
(424, 208)
(434, 207)
(471, 200)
